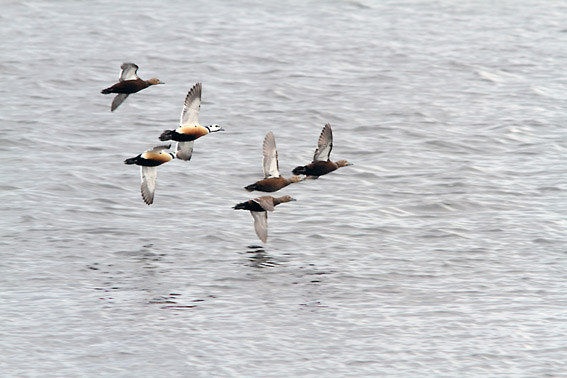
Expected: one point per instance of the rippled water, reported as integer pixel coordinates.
(441, 252)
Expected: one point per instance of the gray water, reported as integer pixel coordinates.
(439, 253)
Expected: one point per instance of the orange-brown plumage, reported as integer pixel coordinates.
(187, 133)
(157, 156)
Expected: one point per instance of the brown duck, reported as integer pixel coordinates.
(128, 83)
(148, 161)
(259, 207)
(321, 164)
(272, 181)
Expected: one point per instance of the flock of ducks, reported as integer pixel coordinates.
(190, 130)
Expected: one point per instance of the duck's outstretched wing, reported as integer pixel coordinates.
(270, 157)
(261, 224)
(148, 188)
(128, 72)
(119, 99)
(191, 107)
(184, 150)
(324, 145)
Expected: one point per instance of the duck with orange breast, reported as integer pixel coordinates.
(189, 129)
(129, 82)
(148, 161)
(321, 164)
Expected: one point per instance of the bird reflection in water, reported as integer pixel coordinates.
(259, 258)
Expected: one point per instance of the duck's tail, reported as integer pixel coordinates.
(166, 135)
(299, 170)
(106, 90)
(240, 206)
(251, 187)
(131, 160)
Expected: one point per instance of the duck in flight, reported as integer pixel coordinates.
(321, 164)
(148, 161)
(259, 208)
(272, 181)
(128, 82)
(189, 128)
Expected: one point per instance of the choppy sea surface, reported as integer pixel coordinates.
(440, 253)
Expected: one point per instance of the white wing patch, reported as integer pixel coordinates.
(324, 145)
(270, 157)
(261, 224)
(191, 107)
(148, 175)
(184, 150)
(119, 99)
(128, 72)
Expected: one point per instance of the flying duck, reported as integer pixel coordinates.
(148, 162)
(321, 164)
(189, 128)
(272, 181)
(258, 208)
(128, 83)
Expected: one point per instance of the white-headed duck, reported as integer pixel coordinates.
(189, 128)
(148, 162)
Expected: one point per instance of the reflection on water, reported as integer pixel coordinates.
(259, 258)
(173, 301)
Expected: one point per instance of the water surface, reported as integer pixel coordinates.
(440, 252)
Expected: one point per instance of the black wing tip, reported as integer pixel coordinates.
(195, 91)
(147, 199)
(196, 87)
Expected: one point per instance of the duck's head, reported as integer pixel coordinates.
(287, 198)
(215, 127)
(155, 81)
(342, 163)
